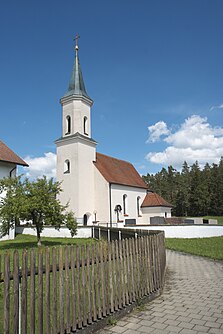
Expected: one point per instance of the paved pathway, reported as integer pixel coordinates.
(192, 301)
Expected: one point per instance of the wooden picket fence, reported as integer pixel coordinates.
(63, 289)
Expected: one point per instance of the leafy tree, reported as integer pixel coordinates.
(33, 201)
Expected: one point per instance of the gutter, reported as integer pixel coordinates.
(10, 173)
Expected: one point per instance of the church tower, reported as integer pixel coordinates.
(76, 150)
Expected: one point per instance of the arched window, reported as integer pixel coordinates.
(68, 125)
(124, 204)
(138, 206)
(66, 166)
(85, 126)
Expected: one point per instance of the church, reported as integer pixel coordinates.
(99, 189)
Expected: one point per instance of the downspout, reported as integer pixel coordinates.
(110, 204)
(10, 173)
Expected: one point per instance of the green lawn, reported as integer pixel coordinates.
(208, 247)
(23, 241)
(29, 242)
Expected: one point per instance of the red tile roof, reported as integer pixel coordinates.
(8, 155)
(118, 171)
(153, 199)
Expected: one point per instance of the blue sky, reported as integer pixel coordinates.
(153, 68)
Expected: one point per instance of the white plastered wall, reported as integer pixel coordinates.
(117, 192)
(6, 168)
(77, 110)
(155, 211)
(102, 205)
(78, 185)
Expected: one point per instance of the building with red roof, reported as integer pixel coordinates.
(9, 161)
(98, 188)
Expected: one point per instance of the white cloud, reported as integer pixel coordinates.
(156, 131)
(195, 139)
(40, 166)
(220, 106)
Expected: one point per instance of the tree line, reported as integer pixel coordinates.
(192, 191)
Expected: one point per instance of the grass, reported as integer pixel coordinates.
(207, 247)
(23, 241)
(29, 242)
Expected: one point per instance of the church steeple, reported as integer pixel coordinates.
(76, 84)
(76, 104)
(76, 150)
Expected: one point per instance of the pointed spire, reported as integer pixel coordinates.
(76, 84)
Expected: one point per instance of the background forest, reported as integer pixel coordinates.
(192, 192)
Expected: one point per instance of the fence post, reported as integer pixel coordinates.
(24, 308)
(109, 237)
(7, 294)
(120, 235)
(99, 233)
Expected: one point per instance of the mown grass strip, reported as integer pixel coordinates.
(207, 247)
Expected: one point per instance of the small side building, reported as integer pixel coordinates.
(154, 205)
(9, 161)
(8, 168)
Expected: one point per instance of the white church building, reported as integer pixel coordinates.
(99, 188)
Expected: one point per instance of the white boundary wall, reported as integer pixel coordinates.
(171, 231)
(9, 236)
(185, 231)
(82, 232)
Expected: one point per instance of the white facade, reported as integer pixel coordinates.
(78, 182)
(75, 155)
(102, 198)
(7, 169)
(133, 200)
(155, 211)
(78, 111)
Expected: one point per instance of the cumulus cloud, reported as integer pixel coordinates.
(220, 106)
(195, 139)
(156, 131)
(39, 166)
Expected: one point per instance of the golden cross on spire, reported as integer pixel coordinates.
(76, 41)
